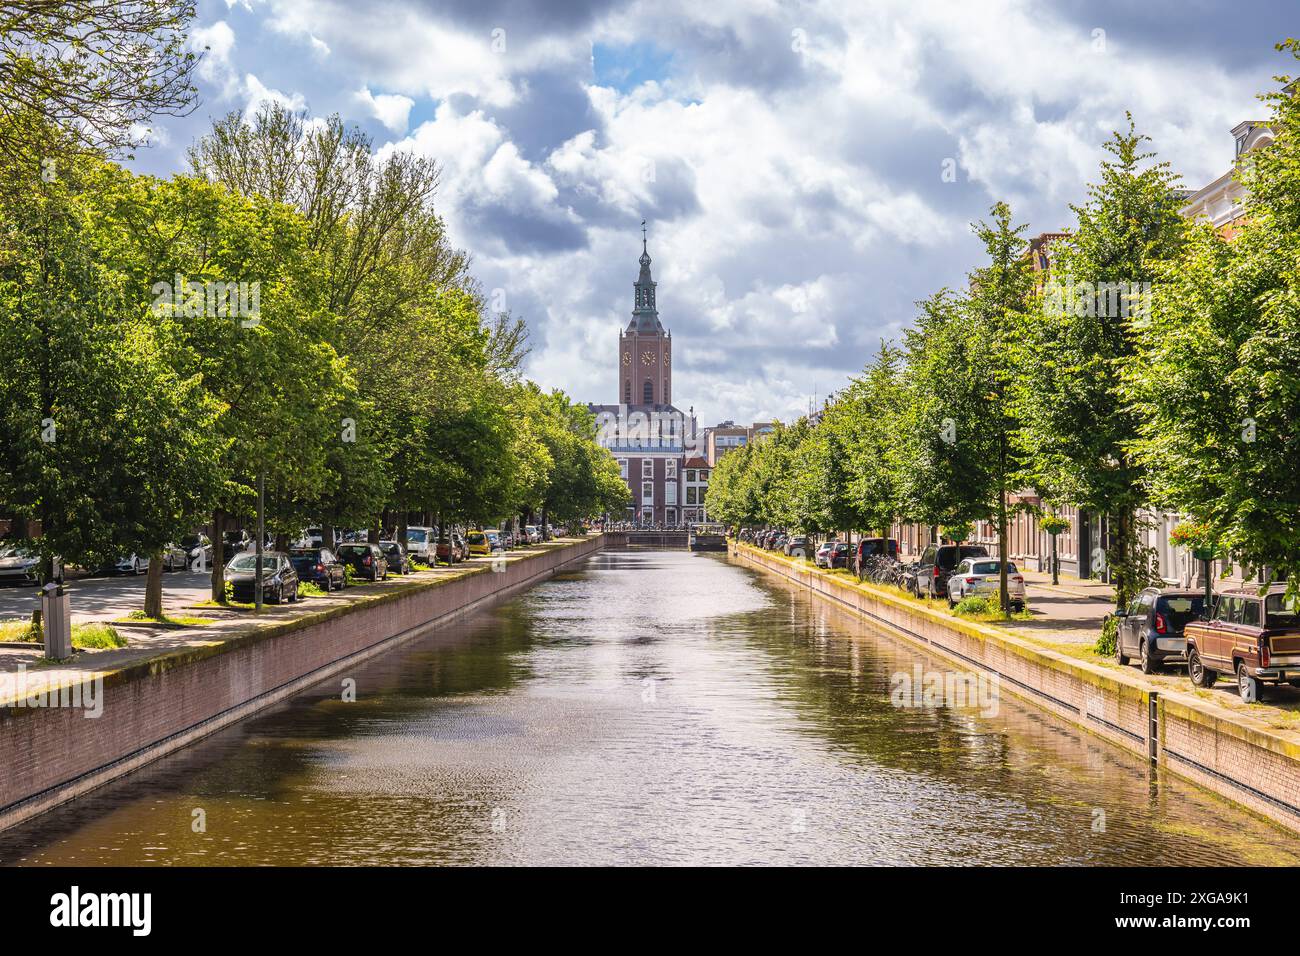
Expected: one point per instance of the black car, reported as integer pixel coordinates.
(868, 548)
(1151, 627)
(279, 579)
(198, 551)
(366, 560)
(399, 562)
(233, 543)
(320, 566)
(937, 564)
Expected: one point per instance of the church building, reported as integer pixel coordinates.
(649, 436)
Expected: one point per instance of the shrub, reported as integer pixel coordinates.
(973, 605)
(1106, 644)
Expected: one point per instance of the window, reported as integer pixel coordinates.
(670, 494)
(627, 393)
(670, 516)
(1250, 613)
(704, 474)
(622, 467)
(690, 475)
(670, 469)
(647, 492)
(647, 468)
(691, 495)
(648, 393)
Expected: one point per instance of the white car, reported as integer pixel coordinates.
(422, 543)
(979, 577)
(18, 566)
(129, 564)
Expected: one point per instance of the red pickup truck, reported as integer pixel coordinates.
(1253, 636)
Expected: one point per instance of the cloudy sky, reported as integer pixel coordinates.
(790, 157)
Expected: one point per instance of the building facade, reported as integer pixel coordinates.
(649, 436)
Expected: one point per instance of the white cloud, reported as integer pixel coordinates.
(393, 110)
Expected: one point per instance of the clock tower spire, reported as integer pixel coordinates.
(645, 374)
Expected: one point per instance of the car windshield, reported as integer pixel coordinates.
(354, 549)
(12, 552)
(418, 535)
(1280, 611)
(248, 562)
(476, 537)
(984, 567)
(190, 541)
(304, 553)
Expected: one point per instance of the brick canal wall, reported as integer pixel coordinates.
(158, 705)
(1231, 754)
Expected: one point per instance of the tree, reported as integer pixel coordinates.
(97, 70)
(105, 443)
(1077, 423)
(1214, 386)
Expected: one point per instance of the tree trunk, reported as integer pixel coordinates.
(373, 533)
(545, 535)
(401, 527)
(327, 535)
(1056, 563)
(219, 556)
(153, 590)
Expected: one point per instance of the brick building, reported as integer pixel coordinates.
(649, 436)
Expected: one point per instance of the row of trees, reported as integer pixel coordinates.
(1158, 364)
(289, 314)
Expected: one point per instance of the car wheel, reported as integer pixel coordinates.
(279, 592)
(1121, 658)
(1147, 665)
(1201, 675)
(1250, 688)
(135, 566)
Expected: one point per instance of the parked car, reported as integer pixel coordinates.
(840, 554)
(822, 558)
(494, 539)
(981, 577)
(198, 551)
(18, 565)
(1151, 627)
(937, 563)
(796, 546)
(421, 542)
(459, 547)
(366, 560)
(399, 562)
(320, 566)
(478, 542)
(233, 543)
(127, 564)
(868, 548)
(279, 579)
(451, 549)
(533, 532)
(1254, 637)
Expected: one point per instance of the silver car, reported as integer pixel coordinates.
(18, 566)
(980, 577)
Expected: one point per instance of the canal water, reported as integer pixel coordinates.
(649, 707)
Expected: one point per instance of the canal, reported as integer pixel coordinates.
(648, 707)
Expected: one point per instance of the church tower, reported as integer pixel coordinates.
(645, 360)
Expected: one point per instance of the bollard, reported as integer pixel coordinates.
(56, 622)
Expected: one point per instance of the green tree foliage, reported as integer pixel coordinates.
(1077, 422)
(1214, 386)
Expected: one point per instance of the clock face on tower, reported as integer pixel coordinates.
(627, 358)
(647, 358)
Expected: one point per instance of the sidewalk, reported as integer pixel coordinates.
(1069, 612)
